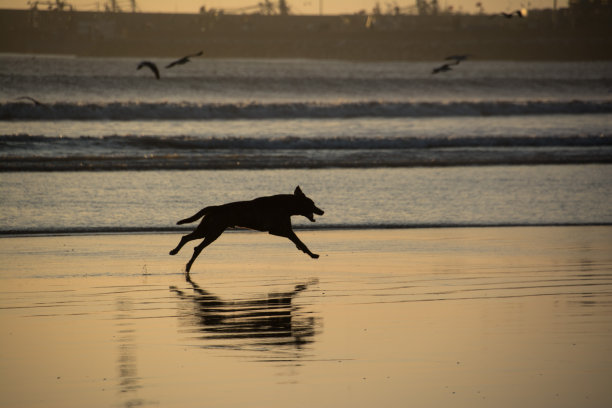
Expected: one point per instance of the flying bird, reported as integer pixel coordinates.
(151, 66)
(519, 13)
(34, 101)
(457, 58)
(442, 68)
(184, 60)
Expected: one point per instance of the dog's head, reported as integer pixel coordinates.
(306, 206)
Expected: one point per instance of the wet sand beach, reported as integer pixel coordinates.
(462, 317)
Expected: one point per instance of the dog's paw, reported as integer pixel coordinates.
(173, 252)
(314, 256)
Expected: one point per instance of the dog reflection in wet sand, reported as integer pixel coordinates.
(271, 319)
(271, 214)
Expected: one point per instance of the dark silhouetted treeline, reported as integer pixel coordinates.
(568, 34)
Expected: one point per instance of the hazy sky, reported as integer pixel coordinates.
(299, 6)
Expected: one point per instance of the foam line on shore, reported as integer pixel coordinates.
(320, 227)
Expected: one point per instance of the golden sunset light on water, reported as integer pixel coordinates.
(426, 318)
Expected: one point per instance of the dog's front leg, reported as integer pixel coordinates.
(299, 244)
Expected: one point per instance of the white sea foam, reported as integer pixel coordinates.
(195, 111)
(40, 153)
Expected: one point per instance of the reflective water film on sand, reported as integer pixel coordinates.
(268, 323)
(463, 317)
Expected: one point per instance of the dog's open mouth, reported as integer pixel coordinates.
(317, 211)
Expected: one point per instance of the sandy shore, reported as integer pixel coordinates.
(495, 317)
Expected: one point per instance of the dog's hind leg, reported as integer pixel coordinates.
(185, 239)
(210, 238)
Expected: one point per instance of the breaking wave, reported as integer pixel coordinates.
(39, 153)
(192, 143)
(253, 110)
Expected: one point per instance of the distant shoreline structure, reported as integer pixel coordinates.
(568, 34)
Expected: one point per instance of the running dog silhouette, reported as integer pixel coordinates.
(271, 214)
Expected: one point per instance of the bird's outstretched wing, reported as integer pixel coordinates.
(179, 61)
(197, 54)
(457, 58)
(184, 59)
(34, 101)
(441, 68)
(151, 66)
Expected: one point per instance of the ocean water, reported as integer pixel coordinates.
(374, 144)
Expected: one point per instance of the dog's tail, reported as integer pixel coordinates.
(197, 216)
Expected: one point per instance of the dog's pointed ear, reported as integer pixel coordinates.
(298, 191)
